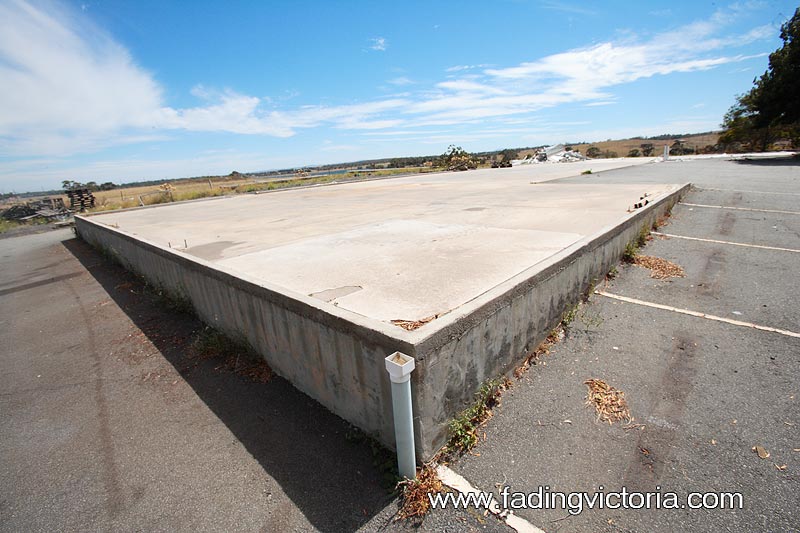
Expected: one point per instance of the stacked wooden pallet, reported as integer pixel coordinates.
(80, 199)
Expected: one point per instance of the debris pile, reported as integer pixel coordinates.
(80, 199)
(659, 268)
(47, 208)
(552, 154)
(415, 502)
(411, 325)
(608, 402)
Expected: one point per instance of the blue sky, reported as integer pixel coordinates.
(128, 90)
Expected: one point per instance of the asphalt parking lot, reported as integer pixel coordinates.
(705, 392)
(108, 423)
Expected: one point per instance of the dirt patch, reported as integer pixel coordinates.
(659, 268)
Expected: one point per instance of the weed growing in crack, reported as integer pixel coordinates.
(463, 429)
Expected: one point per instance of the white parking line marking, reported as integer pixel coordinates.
(743, 209)
(754, 192)
(457, 482)
(697, 314)
(726, 242)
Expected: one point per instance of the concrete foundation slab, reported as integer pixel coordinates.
(314, 277)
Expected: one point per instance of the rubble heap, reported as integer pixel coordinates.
(48, 208)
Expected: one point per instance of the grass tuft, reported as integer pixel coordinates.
(7, 225)
(463, 429)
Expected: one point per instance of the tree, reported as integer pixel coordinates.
(647, 149)
(634, 153)
(70, 184)
(593, 152)
(677, 148)
(771, 109)
(456, 158)
(509, 154)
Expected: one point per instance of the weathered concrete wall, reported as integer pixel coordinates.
(335, 361)
(337, 357)
(493, 337)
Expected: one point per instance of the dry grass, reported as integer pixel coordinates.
(659, 268)
(194, 188)
(623, 146)
(414, 493)
(126, 197)
(608, 402)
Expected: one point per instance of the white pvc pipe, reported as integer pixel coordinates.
(400, 366)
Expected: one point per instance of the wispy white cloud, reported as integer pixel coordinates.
(66, 86)
(400, 81)
(54, 80)
(379, 44)
(467, 86)
(461, 68)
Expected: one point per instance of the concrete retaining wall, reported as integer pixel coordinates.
(495, 333)
(333, 360)
(337, 358)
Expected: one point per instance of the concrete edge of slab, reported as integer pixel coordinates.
(293, 301)
(475, 310)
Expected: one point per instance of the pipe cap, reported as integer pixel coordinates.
(399, 366)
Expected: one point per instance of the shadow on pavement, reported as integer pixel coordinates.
(788, 161)
(311, 453)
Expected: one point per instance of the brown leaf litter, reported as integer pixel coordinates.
(608, 402)
(414, 498)
(543, 349)
(761, 451)
(659, 268)
(257, 371)
(411, 325)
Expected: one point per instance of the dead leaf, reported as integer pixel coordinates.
(779, 467)
(411, 325)
(659, 268)
(609, 403)
(713, 442)
(762, 453)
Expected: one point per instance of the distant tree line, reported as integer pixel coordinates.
(69, 185)
(405, 162)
